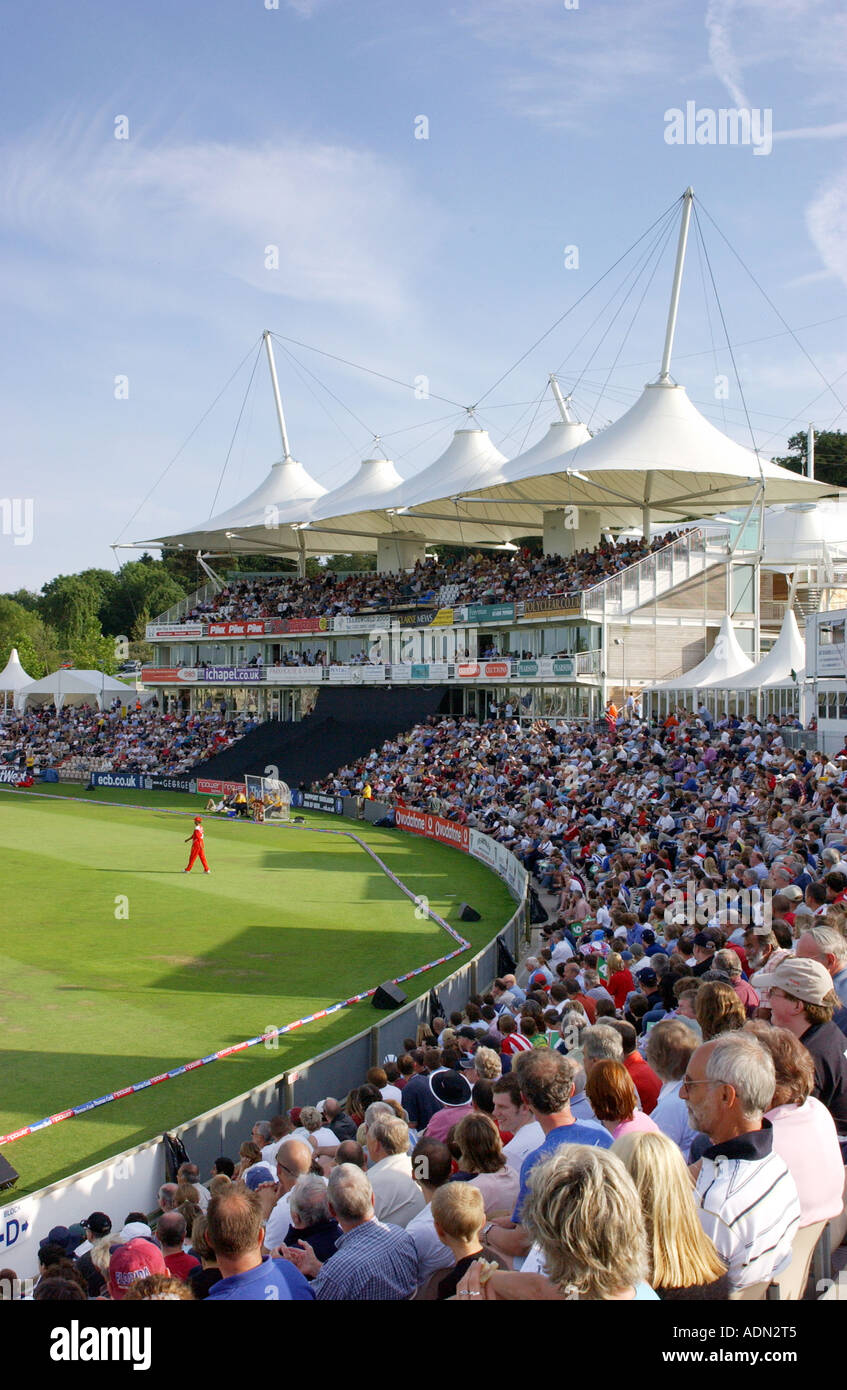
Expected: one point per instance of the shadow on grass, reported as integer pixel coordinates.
(330, 962)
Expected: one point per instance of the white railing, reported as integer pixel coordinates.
(655, 574)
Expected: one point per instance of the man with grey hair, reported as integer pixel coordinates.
(310, 1217)
(829, 947)
(601, 1043)
(729, 963)
(373, 1261)
(746, 1198)
(397, 1197)
(167, 1196)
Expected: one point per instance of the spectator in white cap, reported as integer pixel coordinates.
(802, 999)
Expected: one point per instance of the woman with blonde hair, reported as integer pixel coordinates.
(248, 1154)
(685, 1264)
(584, 1215)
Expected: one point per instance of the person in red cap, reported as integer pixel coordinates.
(136, 1259)
(197, 848)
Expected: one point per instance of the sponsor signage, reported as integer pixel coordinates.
(170, 784)
(496, 670)
(305, 625)
(500, 859)
(357, 675)
(420, 673)
(468, 670)
(119, 779)
(490, 612)
(359, 622)
(183, 630)
(167, 675)
(319, 801)
(564, 666)
(239, 675)
(447, 832)
(257, 628)
(423, 619)
(294, 675)
(527, 668)
(12, 775)
(209, 787)
(554, 603)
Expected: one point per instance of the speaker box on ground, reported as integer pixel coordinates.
(8, 1176)
(468, 913)
(389, 996)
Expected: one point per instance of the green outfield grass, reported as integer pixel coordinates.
(287, 923)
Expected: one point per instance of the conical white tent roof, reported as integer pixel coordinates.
(71, 686)
(662, 454)
(285, 494)
(724, 660)
(787, 654)
(561, 437)
(469, 460)
(804, 533)
(376, 481)
(13, 677)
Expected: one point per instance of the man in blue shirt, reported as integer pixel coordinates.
(236, 1230)
(547, 1083)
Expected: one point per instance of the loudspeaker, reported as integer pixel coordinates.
(468, 913)
(8, 1176)
(389, 996)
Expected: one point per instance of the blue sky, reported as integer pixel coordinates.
(444, 257)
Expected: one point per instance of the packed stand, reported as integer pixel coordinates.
(658, 1112)
(140, 740)
(487, 578)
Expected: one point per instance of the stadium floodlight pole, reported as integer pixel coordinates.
(564, 405)
(810, 452)
(687, 199)
(286, 451)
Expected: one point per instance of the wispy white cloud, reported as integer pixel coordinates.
(349, 227)
(826, 220)
(814, 132)
(559, 64)
(722, 55)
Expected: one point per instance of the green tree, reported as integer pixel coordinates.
(358, 560)
(143, 587)
(26, 598)
(68, 603)
(830, 456)
(37, 644)
(89, 650)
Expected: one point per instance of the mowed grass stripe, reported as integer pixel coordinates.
(288, 923)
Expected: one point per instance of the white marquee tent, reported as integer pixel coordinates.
(68, 686)
(13, 678)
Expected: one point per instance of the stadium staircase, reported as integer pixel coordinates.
(344, 726)
(654, 576)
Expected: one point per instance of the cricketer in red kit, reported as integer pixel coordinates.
(197, 848)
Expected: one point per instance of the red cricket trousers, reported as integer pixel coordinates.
(197, 852)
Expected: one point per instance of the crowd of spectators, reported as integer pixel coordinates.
(142, 739)
(483, 578)
(658, 1111)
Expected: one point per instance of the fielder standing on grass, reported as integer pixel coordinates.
(197, 847)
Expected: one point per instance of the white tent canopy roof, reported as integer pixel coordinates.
(787, 654)
(70, 686)
(13, 677)
(661, 454)
(285, 494)
(561, 437)
(468, 461)
(805, 533)
(372, 485)
(724, 660)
